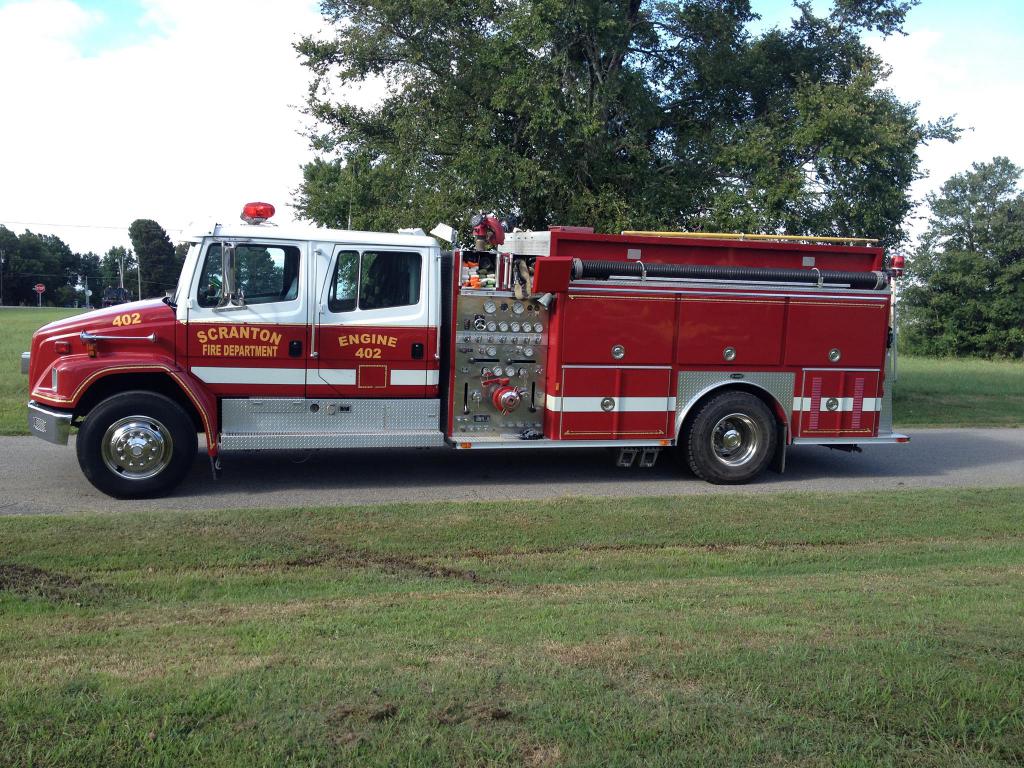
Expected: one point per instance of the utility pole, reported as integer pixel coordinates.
(3, 255)
(138, 262)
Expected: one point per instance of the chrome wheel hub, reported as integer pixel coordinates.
(137, 447)
(735, 439)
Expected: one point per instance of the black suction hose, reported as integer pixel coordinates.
(602, 270)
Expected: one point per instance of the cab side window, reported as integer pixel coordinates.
(266, 274)
(375, 280)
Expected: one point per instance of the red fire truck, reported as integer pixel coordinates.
(725, 348)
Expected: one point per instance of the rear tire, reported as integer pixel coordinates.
(732, 439)
(136, 444)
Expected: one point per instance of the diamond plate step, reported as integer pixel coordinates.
(263, 441)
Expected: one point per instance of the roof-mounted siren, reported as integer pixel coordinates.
(257, 213)
(896, 265)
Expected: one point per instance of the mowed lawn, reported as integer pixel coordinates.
(959, 393)
(801, 629)
(17, 324)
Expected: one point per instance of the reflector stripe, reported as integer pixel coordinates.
(413, 378)
(228, 375)
(398, 377)
(341, 377)
(845, 403)
(622, 404)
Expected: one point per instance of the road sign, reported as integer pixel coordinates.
(39, 288)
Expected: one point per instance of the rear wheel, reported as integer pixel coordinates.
(136, 444)
(731, 439)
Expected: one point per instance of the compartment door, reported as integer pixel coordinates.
(838, 404)
(610, 403)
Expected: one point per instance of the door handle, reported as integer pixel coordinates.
(295, 348)
(417, 351)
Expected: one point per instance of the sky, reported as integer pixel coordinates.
(183, 110)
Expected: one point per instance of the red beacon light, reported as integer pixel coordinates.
(257, 213)
(896, 265)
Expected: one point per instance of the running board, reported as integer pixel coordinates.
(261, 441)
(884, 439)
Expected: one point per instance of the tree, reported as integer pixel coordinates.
(614, 113)
(966, 295)
(29, 259)
(8, 253)
(158, 258)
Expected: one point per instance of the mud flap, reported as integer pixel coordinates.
(778, 463)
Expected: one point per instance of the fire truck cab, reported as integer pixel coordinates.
(727, 349)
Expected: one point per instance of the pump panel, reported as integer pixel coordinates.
(499, 354)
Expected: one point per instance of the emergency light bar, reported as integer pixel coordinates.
(257, 213)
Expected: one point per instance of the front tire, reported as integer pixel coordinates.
(731, 439)
(136, 444)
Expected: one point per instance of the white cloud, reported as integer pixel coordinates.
(978, 81)
(185, 125)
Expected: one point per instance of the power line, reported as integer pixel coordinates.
(74, 226)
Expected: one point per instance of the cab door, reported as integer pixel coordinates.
(376, 331)
(255, 346)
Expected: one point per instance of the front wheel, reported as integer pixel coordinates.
(731, 439)
(136, 444)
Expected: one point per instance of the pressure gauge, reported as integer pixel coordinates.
(485, 372)
(538, 327)
(491, 351)
(528, 351)
(515, 327)
(528, 327)
(503, 327)
(492, 326)
(490, 307)
(510, 372)
(518, 307)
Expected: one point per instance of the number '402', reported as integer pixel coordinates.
(368, 352)
(134, 318)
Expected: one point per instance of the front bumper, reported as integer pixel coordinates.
(48, 423)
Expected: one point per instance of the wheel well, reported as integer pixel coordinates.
(763, 395)
(160, 383)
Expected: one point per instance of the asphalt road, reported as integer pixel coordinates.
(39, 478)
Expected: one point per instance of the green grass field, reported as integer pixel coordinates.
(801, 629)
(929, 392)
(17, 324)
(959, 393)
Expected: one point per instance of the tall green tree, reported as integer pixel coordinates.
(966, 292)
(30, 259)
(8, 254)
(156, 255)
(613, 113)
